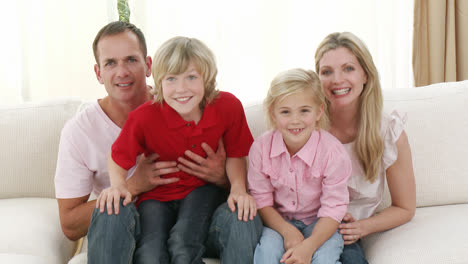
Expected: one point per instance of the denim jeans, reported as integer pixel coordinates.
(353, 254)
(116, 238)
(231, 240)
(270, 249)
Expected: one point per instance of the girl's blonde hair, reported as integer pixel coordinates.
(291, 82)
(369, 144)
(174, 57)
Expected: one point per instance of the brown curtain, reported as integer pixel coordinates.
(440, 41)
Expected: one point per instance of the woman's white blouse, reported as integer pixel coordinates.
(364, 196)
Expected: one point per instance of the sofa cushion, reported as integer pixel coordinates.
(437, 128)
(31, 233)
(29, 137)
(435, 235)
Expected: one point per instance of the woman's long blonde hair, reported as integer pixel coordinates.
(369, 144)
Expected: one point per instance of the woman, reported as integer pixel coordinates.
(376, 142)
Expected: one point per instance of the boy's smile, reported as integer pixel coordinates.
(184, 92)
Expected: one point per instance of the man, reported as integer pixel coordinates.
(122, 65)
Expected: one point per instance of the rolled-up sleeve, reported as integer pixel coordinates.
(335, 197)
(260, 186)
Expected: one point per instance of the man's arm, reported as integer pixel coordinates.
(75, 213)
(75, 216)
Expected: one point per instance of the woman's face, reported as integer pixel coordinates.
(342, 77)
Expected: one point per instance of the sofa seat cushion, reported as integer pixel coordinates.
(25, 259)
(435, 235)
(82, 259)
(31, 232)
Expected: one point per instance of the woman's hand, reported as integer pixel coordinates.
(351, 230)
(246, 206)
(111, 196)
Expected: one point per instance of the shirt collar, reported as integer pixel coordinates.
(306, 153)
(174, 120)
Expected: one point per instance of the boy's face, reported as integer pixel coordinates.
(184, 92)
(122, 66)
(296, 116)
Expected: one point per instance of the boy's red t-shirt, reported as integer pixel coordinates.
(158, 128)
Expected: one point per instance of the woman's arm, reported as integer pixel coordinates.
(402, 187)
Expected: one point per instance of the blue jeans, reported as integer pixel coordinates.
(270, 249)
(116, 238)
(353, 254)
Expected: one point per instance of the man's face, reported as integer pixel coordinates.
(122, 67)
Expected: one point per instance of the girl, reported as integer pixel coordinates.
(298, 175)
(187, 110)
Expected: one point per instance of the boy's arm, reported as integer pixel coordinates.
(236, 169)
(111, 196)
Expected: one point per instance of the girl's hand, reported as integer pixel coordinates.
(300, 254)
(292, 238)
(352, 230)
(111, 196)
(246, 206)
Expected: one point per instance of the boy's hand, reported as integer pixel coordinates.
(246, 206)
(111, 196)
(300, 254)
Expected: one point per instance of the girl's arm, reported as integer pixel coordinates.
(401, 184)
(111, 196)
(236, 169)
(303, 252)
(272, 219)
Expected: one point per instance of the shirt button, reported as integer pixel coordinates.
(291, 170)
(291, 189)
(193, 146)
(294, 203)
(188, 124)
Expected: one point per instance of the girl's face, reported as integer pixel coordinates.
(184, 92)
(296, 116)
(342, 77)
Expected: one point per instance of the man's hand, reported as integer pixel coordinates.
(148, 174)
(211, 169)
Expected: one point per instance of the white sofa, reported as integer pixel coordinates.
(437, 128)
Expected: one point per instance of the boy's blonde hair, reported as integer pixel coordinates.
(174, 57)
(291, 82)
(369, 144)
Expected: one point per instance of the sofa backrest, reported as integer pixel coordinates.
(437, 128)
(29, 137)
